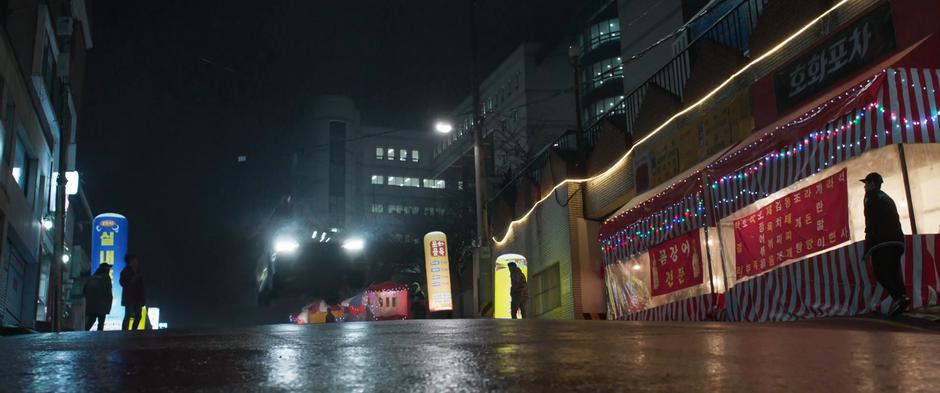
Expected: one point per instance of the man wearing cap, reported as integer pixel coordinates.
(884, 241)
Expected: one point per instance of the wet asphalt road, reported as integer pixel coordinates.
(482, 355)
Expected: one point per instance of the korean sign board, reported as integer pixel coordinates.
(437, 266)
(804, 222)
(108, 246)
(676, 264)
(850, 50)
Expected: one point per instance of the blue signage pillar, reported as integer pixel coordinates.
(109, 245)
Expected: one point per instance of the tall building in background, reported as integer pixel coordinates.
(367, 181)
(526, 103)
(600, 61)
(42, 51)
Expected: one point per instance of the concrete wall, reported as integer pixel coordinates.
(642, 23)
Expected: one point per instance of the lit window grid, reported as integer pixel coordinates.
(606, 31)
(603, 71)
(401, 181)
(411, 210)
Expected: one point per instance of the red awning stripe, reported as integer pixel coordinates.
(898, 105)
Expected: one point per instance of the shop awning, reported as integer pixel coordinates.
(895, 105)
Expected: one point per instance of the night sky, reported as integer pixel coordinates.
(177, 90)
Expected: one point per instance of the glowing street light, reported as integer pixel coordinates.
(354, 244)
(443, 127)
(285, 245)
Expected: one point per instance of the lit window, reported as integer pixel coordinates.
(21, 164)
(460, 185)
(378, 179)
(396, 181)
(379, 153)
(602, 32)
(378, 208)
(391, 154)
(412, 182)
(403, 154)
(414, 156)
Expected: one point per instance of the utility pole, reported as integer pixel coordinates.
(482, 239)
(65, 140)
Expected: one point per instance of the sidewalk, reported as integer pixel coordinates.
(927, 318)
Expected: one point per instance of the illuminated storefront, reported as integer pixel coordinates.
(778, 218)
(502, 298)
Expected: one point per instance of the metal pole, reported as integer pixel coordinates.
(61, 182)
(478, 169)
(907, 188)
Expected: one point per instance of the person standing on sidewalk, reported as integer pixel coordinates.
(884, 241)
(133, 298)
(519, 290)
(98, 297)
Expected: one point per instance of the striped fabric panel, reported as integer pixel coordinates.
(836, 283)
(910, 107)
(698, 308)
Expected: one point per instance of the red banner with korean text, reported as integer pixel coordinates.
(676, 264)
(804, 222)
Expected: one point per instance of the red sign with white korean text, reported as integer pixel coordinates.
(801, 223)
(676, 264)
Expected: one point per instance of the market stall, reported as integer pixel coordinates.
(778, 220)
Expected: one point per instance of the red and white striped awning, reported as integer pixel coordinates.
(896, 105)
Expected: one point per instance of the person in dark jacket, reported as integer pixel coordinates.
(98, 297)
(133, 298)
(519, 290)
(884, 241)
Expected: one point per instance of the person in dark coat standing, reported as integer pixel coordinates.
(133, 298)
(98, 297)
(884, 241)
(519, 290)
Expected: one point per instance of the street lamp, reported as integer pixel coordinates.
(443, 127)
(285, 245)
(354, 244)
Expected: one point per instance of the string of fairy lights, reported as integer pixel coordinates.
(630, 240)
(623, 160)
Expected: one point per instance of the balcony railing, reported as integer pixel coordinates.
(729, 23)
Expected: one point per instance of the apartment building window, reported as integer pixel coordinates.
(403, 155)
(396, 181)
(604, 70)
(378, 179)
(606, 31)
(378, 208)
(432, 183)
(460, 185)
(412, 182)
(379, 153)
(21, 165)
(391, 154)
(597, 110)
(545, 290)
(414, 156)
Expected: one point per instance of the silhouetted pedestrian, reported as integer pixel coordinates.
(419, 304)
(884, 241)
(519, 290)
(133, 297)
(98, 297)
